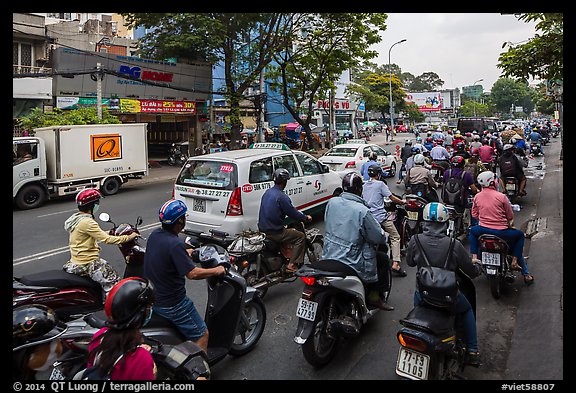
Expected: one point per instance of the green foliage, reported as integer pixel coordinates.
(60, 117)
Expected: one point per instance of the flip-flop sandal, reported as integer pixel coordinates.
(399, 272)
(529, 281)
(291, 270)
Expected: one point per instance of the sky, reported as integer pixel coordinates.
(460, 47)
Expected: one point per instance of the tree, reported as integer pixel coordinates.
(61, 117)
(428, 81)
(324, 46)
(507, 92)
(244, 42)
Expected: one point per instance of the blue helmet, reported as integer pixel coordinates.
(171, 210)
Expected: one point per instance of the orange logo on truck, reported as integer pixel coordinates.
(105, 147)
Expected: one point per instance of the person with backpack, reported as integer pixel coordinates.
(420, 181)
(442, 251)
(404, 154)
(511, 166)
(117, 351)
(456, 183)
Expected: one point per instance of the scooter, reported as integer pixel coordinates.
(456, 216)
(512, 188)
(496, 263)
(414, 208)
(535, 149)
(72, 296)
(332, 308)
(431, 342)
(235, 317)
(176, 155)
(261, 261)
(437, 171)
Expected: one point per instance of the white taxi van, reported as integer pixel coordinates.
(223, 190)
(351, 155)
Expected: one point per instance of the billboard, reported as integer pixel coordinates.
(430, 101)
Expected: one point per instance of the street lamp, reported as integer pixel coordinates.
(479, 80)
(390, 87)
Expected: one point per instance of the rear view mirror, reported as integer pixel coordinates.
(104, 217)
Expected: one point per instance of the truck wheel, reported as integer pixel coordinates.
(110, 186)
(30, 197)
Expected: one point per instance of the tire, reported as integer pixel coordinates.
(319, 348)
(392, 171)
(314, 254)
(496, 284)
(250, 327)
(111, 186)
(30, 197)
(251, 276)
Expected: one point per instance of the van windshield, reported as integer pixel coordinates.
(209, 174)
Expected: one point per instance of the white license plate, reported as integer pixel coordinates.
(433, 172)
(412, 364)
(306, 309)
(412, 215)
(56, 375)
(491, 272)
(199, 205)
(491, 258)
(510, 186)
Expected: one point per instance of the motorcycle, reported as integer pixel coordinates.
(261, 261)
(496, 263)
(511, 186)
(178, 154)
(332, 308)
(399, 215)
(535, 149)
(431, 341)
(72, 296)
(437, 170)
(456, 218)
(414, 208)
(235, 316)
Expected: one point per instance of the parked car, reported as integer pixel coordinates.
(349, 157)
(223, 190)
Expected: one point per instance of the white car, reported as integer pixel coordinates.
(223, 190)
(349, 157)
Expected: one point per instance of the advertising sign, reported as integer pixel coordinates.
(426, 101)
(105, 147)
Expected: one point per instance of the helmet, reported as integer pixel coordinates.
(474, 152)
(372, 156)
(513, 140)
(281, 175)
(418, 139)
(419, 159)
(468, 134)
(457, 161)
(486, 178)
(171, 210)
(87, 196)
(507, 146)
(429, 139)
(127, 305)
(476, 137)
(352, 182)
(460, 146)
(34, 322)
(440, 142)
(374, 170)
(408, 142)
(435, 212)
(415, 150)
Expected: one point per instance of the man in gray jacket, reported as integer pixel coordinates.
(352, 236)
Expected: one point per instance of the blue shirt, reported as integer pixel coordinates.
(439, 152)
(274, 207)
(166, 264)
(534, 136)
(364, 169)
(374, 192)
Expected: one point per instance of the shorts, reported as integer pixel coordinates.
(185, 317)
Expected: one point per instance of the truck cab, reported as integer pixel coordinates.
(28, 172)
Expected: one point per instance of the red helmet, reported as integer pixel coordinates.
(457, 161)
(87, 196)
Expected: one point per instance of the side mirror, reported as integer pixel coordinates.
(325, 168)
(104, 217)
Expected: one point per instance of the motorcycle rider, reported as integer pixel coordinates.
(404, 154)
(118, 348)
(435, 243)
(487, 155)
(85, 233)
(352, 236)
(511, 166)
(536, 137)
(420, 179)
(495, 216)
(167, 264)
(373, 192)
(372, 157)
(440, 155)
(275, 205)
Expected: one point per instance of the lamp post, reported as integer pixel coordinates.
(390, 87)
(479, 80)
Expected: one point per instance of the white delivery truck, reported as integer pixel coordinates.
(62, 160)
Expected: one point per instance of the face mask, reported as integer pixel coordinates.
(95, 208)
(148, 317)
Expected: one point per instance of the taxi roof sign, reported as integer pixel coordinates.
(364, 141)
(269, 145)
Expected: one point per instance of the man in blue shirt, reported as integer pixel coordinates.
(275, 205)
(372, 157)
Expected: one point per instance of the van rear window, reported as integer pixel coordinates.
(209, 174)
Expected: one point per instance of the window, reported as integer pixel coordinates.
(209, 174)
(379, 151)
(287, 162)
(260, 171)
(22, 54)
(309, 165)
(366, 152)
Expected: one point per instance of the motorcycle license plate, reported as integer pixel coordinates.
(306, 309)
(56, 375)
(491, 258)
(433, 172)
(491, 272)
(412, 215)
(412, 364)
(511, 186)
(199, 205)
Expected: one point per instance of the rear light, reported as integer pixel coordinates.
(412, 342)
(308, 280)
(350, 164)
(235, 203)
(413, 204)
(492, 245)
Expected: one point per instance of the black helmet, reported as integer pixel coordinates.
(457, 161)
(127, 304)
(281, 175)
(352, 182)
(34, 323)
(375, 171)
(372, 156)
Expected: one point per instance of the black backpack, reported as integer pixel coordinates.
(453, 189)
(95, 373)
(507, 166)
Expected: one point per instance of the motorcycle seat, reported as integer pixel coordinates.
(434, 320)
(59, 279)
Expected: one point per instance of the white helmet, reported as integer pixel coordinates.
(419, 159)
(435, 212)
(486, 178)
(507, 146)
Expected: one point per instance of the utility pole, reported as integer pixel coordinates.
(99, 77)
(262, 108)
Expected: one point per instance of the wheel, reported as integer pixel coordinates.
(30, 197)
(252, 276)
(111, 186)
(496, 283)
(314, 254)
(319, 348)
(392, 171)
(250, 327)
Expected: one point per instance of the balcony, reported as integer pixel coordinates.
(21, 70)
